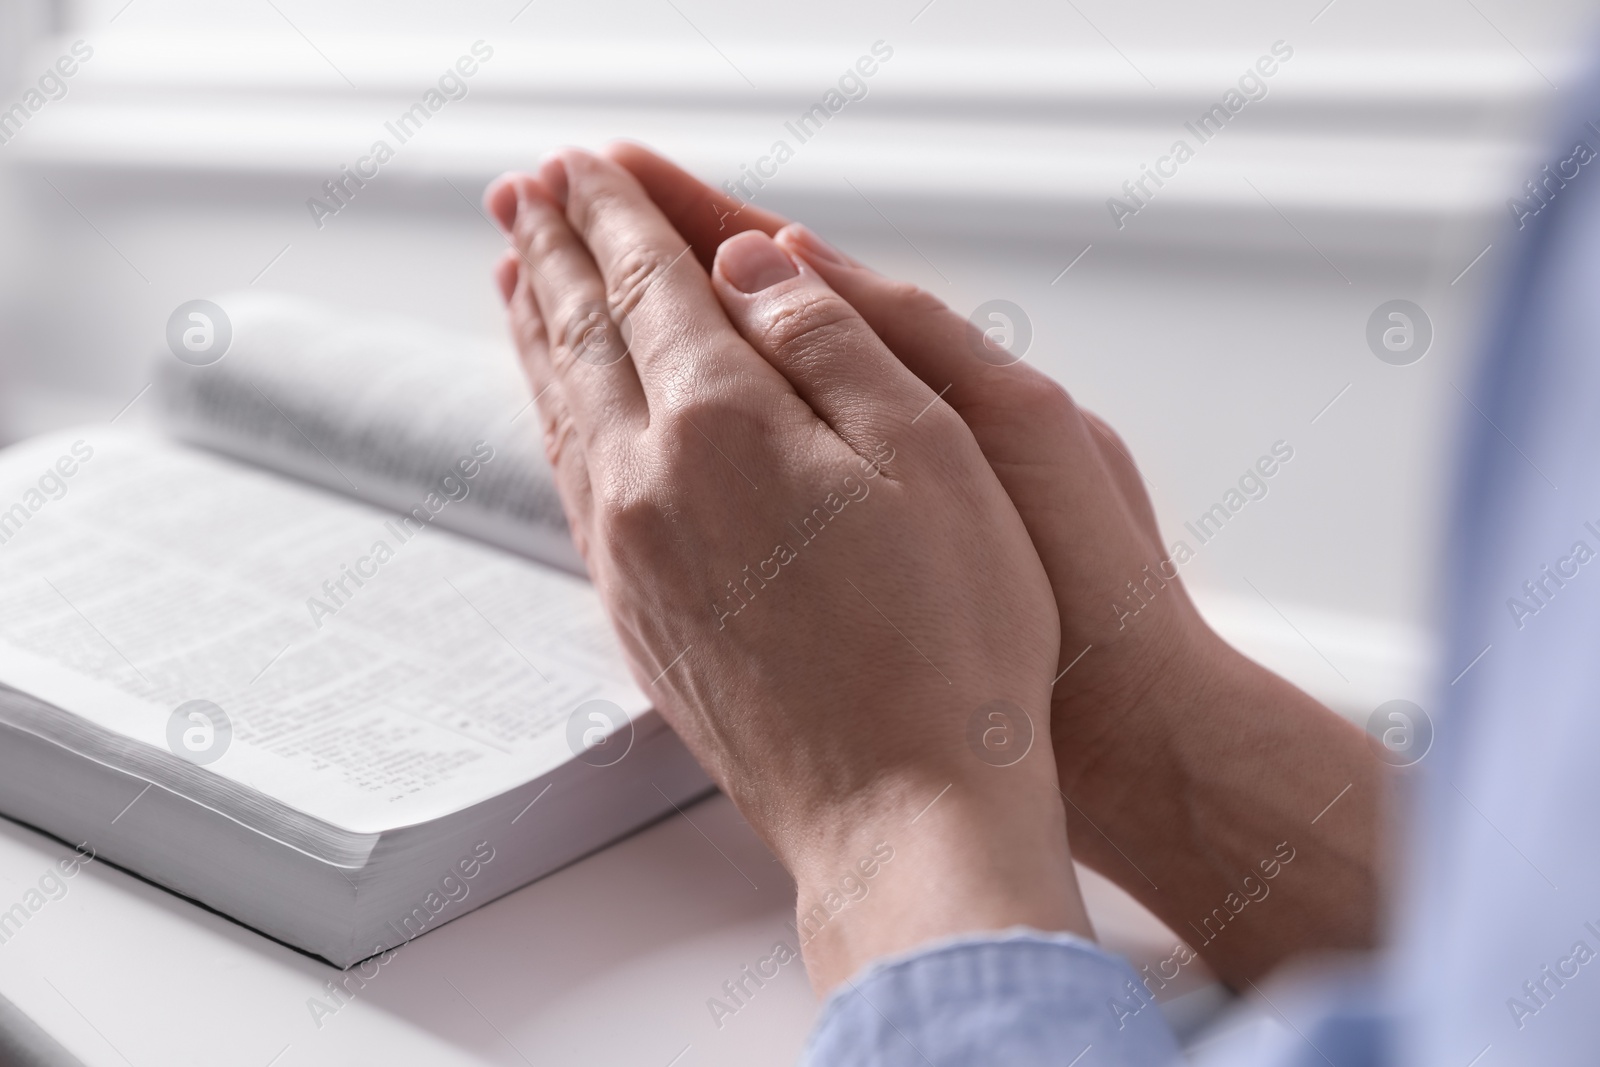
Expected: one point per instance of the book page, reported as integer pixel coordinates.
(376, 673)
(377, 408)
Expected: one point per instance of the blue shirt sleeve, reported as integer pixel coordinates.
(1021, 998)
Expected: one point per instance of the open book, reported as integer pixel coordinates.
(311, 648)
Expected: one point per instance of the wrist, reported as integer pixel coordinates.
(937, 860)
(1123, 724)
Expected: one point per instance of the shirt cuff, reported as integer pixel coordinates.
(1020, 998)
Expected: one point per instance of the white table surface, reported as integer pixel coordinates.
(610, 961)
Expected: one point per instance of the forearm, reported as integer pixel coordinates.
(1242, 812)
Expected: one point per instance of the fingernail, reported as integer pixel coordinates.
(816, 246)
(752, 261)
(553, 174)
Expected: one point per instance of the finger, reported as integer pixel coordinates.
(566, 457)
(678, 334)
(557, 429)
(705, 217)
(531, 337)
(500, 199)
(586, 352)
(816, 340)
(506, 271)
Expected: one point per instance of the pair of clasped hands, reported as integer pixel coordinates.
(838, 546)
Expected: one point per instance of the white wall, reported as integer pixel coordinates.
(1220, 319)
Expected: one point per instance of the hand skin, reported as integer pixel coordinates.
(1184, 764)
(828, 690)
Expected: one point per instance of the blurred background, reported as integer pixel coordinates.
(1229, 313)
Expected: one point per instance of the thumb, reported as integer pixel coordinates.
(941, 347)
(816, 340)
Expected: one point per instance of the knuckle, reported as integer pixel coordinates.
(673, 438)
(915, 299)
(706, 435)
(705, 407)
(629, 521)
(560, 433)
(808, 328)
(676, 460)
(1042, 396)
(538, 236)
(589, 203)
(635, 272)
(527, 328)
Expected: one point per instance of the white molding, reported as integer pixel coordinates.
(1371, 150)
(398, 65)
